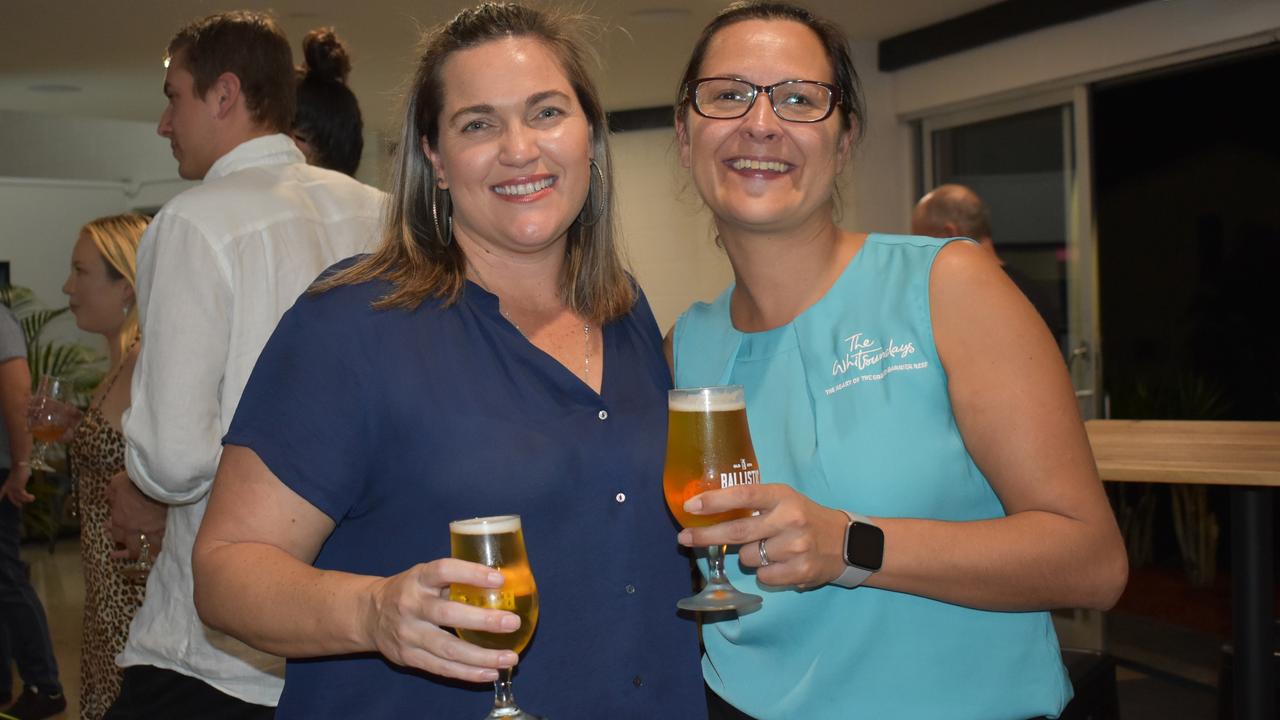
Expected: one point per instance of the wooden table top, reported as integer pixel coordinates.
(1187, 451)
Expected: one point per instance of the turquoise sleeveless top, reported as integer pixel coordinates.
(848, 404)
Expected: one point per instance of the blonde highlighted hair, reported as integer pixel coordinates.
(116, 237)
(416, 255)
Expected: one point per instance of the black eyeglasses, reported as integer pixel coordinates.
(725, 98)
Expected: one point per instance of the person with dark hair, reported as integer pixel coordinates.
(928, 490)
(492, 356)
(327, 127)
(216, 269)
(23, 623)
(950, 211)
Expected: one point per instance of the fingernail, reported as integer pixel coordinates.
(685, 537)
(509, 622)
(693, 504)
(510, 659)
(495, 578)
(489, 674)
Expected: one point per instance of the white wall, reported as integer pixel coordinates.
(59, 172)
(54, 146)
(1138, 33)
(879, 184)
(41, 220)
(666, 231)
(1111, 44)
(375, 160)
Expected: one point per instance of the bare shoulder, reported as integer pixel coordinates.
(974, 304)
(966, 267)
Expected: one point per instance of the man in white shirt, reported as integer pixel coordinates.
(217, 268)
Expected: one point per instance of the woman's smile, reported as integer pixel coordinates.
(526, 188)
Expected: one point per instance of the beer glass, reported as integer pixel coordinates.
(49, 417)
(499, 543)
(137, 571)
(709, 447)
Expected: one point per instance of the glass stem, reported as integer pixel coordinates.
(503, 697)
(715, 565)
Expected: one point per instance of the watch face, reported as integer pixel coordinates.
(865, 548)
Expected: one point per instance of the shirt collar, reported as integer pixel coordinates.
(277, 149)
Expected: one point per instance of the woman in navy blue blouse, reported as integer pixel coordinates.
(491, 357)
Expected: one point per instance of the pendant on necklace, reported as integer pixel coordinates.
(586, 342)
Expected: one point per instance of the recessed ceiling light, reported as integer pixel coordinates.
(54, 88)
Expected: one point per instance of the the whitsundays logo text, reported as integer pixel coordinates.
(872, 360)
(864, 352)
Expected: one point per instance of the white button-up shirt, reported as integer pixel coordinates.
(217, 268)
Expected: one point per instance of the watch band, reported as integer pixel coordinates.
(853, 576)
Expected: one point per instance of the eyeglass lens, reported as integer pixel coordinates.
(796, 100)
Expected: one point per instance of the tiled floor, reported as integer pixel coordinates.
(1164, 673)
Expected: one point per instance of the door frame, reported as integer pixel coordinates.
(1084, 350)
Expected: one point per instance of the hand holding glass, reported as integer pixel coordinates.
(137, 571)
(708, 448)
(499, 543)
(49, 417)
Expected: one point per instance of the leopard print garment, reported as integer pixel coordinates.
(110, 599)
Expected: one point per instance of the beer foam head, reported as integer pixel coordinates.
(493, 525)
(707, 399)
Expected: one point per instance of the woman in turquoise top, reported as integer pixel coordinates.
(903, 380)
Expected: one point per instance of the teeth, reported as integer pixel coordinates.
(524, 188)
(745, 164)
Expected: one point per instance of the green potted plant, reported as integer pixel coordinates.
(75, 362)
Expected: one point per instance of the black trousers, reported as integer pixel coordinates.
(150, 692)
(718, 709)
(22, 616)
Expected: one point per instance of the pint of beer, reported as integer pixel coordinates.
(499, 543)
(708, 447)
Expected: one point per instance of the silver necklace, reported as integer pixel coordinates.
(586, 342)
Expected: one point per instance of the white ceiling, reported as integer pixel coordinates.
(111, 50)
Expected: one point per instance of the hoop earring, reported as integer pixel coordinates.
(602, 194)
(445, 231)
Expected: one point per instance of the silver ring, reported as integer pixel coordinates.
(764, 556)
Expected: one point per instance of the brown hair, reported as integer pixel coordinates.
(328, 113)
(829, 34)
(116, 237)
(251, 46)
(416, 256)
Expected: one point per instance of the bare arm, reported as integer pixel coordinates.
(1058, 546)
(15, 388)
(254, 580)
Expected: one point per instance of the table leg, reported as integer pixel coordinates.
(1252, 602)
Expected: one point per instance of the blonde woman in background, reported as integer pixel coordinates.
(100, 290)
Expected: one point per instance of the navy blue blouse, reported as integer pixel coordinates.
(394, 422)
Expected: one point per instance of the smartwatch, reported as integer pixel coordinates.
(863, 551)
